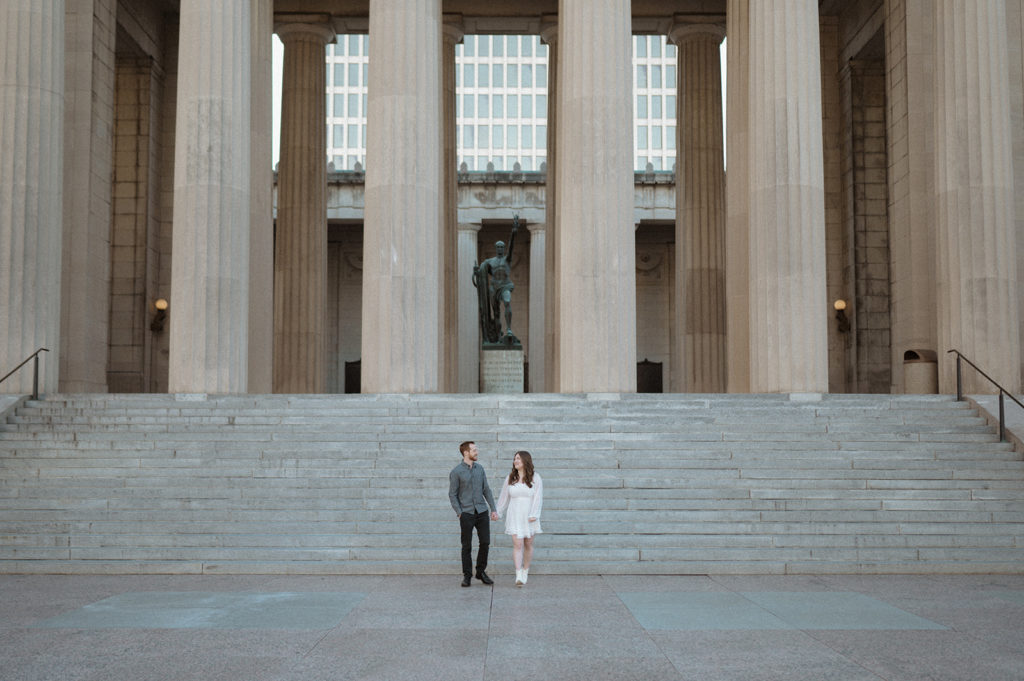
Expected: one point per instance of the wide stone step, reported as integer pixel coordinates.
(708, 523)
(533, 408)
(653, 459)
(664, 420)
(294, 491)
(255, 546)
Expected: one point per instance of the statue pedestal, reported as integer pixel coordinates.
(501, 370)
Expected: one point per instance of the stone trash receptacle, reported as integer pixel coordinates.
(920, 372)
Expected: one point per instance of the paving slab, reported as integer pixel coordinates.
(211, 610)
(565, 627)
(758, 655)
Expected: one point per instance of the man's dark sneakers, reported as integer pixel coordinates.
(482, 576)
(467, 580)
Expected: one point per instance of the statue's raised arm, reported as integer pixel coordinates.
(512, 237)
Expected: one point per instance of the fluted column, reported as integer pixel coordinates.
(910, 28)
(402, 300)
(737, 211)
(261, 249)
(210, 247)
(699, 345)
(536, 332)
(300, 248)
(469, 310)
(789, 345)
(977, 269)
(549, 35)
(452, 34)
(31, 167)
(91, 27)
(596, 267)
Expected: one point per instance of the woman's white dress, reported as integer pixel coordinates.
(523, 503)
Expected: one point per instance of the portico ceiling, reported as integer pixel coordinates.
(515, 16)
(492, 12)
(643, 10)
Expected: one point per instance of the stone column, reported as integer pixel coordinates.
(737, 211)
(452, 275)
(1015, 48)
(698, 348)
(549, 34)
(469, 310)
(402, 300)
(88, 134)
(788, 308)
(977, 269)
(300, 248)
(910, 74)
(536, 332)
(210, 248)
(261, 248)
(31, 173)
(596, 265)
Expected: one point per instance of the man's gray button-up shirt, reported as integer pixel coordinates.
(468, 489)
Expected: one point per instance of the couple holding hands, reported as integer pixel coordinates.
(471, 498)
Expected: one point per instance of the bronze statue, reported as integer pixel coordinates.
(493, 281)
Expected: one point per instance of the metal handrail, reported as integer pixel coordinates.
(35, 371)
(1002, 391)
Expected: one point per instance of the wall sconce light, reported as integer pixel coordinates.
(157, 325)
(841, 318)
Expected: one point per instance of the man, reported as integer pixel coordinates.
(471, 498)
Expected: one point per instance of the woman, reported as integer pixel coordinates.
(522, 495)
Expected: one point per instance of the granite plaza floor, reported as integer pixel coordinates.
(265, 628)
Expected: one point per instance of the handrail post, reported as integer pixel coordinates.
(1002, 417)
(35, 377)
(1003, 392)
(959, 379)
(35, 371)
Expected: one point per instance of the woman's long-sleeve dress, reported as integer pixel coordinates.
(523, 503)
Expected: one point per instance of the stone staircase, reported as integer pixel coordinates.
(638, 484)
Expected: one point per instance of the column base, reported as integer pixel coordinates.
(501, 370)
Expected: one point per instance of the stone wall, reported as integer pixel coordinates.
(838, 267)
(655, 291)
(870, 228)
(160, 355)
(344, 301)
(134, 254)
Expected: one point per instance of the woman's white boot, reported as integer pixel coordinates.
(520, 579)
(526, 573)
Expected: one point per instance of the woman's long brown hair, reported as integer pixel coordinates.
(527, 460)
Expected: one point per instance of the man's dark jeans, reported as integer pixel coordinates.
(482, 523)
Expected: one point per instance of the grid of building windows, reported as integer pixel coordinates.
(654, 102)
(347, 71)
(502, 102)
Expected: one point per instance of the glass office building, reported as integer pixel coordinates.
(347, 77)
(502, 102)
